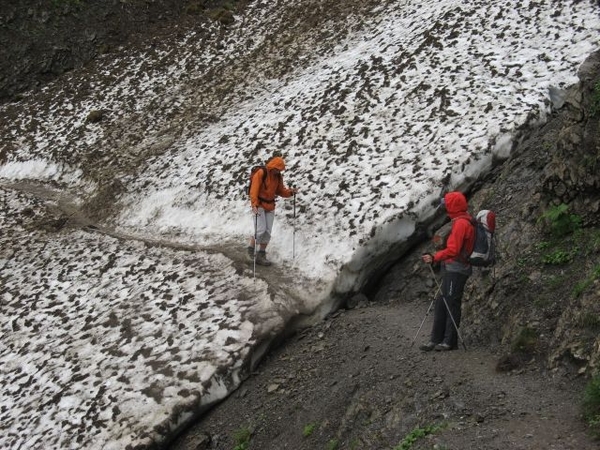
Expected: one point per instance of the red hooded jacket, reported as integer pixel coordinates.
(263, 194)
(462, 236)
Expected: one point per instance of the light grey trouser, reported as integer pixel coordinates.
(264, 225)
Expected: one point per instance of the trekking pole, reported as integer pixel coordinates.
(255, 242)
(294, 230)
(447, 307)
(426, 315)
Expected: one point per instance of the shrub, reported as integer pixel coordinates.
(558, 257)
(559, 222)
(242, 438)
(308, 430)
(416, 434)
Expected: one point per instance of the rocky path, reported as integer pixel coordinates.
(356, 382)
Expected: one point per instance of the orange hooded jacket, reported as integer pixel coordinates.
(263, 194)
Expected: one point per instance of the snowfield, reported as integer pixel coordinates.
(118, 330)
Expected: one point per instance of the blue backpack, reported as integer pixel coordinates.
(484, 250)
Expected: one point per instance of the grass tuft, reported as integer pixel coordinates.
(242, 438)
(416, 434)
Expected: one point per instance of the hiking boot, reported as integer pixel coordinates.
(261, 259)
(443, 347)
(251, 252)
(428, 347)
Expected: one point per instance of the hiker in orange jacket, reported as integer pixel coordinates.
(262, 201)
(455, 272)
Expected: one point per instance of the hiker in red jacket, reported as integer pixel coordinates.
(455, 272)
(263, 190)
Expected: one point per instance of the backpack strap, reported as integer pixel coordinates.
(265, 173)
(264, 181)
(463, 254)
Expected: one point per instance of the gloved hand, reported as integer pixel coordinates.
(427, 258)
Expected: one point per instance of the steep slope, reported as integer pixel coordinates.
(150, 137)
(41, 40)
(358, 381)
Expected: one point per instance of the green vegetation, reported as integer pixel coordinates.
(332, 445)
(559, 257)
(308, 429)
(544, 245)
(565, 234)
(242, 438)
(415, 435)
(523, 262)
(591, 406)
(583, 285)
(553, 253)
(559, 222)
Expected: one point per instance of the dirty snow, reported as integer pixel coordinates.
(113, 337)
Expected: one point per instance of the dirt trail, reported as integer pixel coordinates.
(360, 384)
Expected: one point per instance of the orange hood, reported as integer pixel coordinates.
(276, 163)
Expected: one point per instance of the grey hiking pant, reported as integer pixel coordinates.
(443, 331)
(263, 224)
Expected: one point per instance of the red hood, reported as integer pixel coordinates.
(456, 204)
(276, 163)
